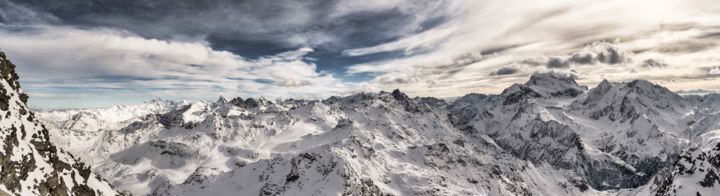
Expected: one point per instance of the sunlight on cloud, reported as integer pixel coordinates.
(548, 31)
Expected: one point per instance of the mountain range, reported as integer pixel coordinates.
(548, 136)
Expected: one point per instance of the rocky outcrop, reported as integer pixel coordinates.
(30, 163)
(697, 171)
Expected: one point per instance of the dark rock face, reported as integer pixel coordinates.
(17, 139)
(251, 103)
(171, 149)
(344, 123)
(238, 101)
(399, 95)
(418, 104)
(7, 73)
(174, 118)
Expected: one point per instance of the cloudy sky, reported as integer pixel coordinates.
(90, 53)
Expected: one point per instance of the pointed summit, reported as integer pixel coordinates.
(400, 96)
(222, 100)
(645, 85)
(604, 84)
(238, 101)
(594, 95)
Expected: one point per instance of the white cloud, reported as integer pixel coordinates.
(479, 46)
(120, 62)
(547, 28)
(715, 70)
(408, 44)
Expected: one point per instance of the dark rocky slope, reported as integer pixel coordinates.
(30, 163)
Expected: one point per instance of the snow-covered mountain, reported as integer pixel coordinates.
(549, 136)
(29, 163)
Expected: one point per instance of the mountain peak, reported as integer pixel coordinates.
(237, 101)
(553, 80)
(641, 84)
(222, 100)
(604, 84)
(539, 77)
(624, 101)
(400, 96)
(648, 89)
(550, 84)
